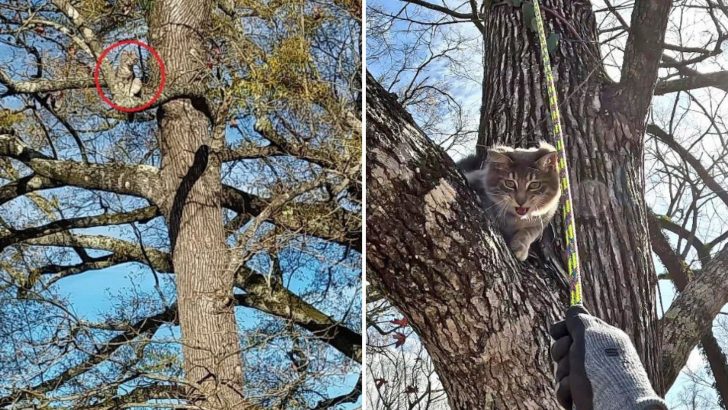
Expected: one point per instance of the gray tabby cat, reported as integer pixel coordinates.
(129, 83)
(519, 189)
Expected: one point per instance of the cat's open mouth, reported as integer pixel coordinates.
(521, 210)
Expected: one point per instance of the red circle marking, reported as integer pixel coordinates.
(162, 80)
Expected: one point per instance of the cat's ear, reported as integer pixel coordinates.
(498, 157)
(548, 161)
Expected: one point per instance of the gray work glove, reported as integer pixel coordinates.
(597, 367)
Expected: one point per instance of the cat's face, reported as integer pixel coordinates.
(523, 183)
(128, 58)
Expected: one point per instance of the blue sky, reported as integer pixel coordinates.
(95, 294)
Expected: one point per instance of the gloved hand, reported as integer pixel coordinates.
(597, 367)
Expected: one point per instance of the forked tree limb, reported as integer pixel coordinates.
(138, 215)
(478, 311)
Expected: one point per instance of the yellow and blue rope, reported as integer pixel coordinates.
(572, 249)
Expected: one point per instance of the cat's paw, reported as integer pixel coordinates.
(520, 251)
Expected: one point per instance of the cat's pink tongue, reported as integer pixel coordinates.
(521, 210)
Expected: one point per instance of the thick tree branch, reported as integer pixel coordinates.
(250, 152)
(44, 85)
(137, 180)
(161, 261)
(139, 215)
(329, 159)
(58, 272)
(668, 225)
(277, 300)
(718, 364)
(676, 267)
(687, 71)
(680, 274)
(140, 397)
(691, 315)
(26, 185)
(692, 78)
(718, 80)
(642, 55)
(349, 397)
(323, 220)
(87, 34)
(318, 220)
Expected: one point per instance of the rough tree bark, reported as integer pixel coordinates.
(604, 128)
(191, 202)
(481, 315)
(674, 354)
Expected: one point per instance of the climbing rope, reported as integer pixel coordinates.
(572, 250)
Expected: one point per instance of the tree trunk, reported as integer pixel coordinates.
(482, 315)
(604, 140)
(190, 175)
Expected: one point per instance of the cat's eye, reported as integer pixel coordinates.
(510, 184)
(534, 185)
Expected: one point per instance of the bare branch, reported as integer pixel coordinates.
(139, 215)
(718, 80)
(680, 275)
(349, 397)
(88, 35)
(443, 9)
(25, 185)
(642, 54)
(161, 260)
(668, 225)
(272, 297)
(44, 85)
(138, 180)
(703, 173)
(145, 327)
(318, 219)
(691, 314)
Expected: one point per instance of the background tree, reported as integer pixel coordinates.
(222, 222)
(398, 377)
(625, 72)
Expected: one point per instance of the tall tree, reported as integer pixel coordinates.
(242, 180)
(482, 315)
